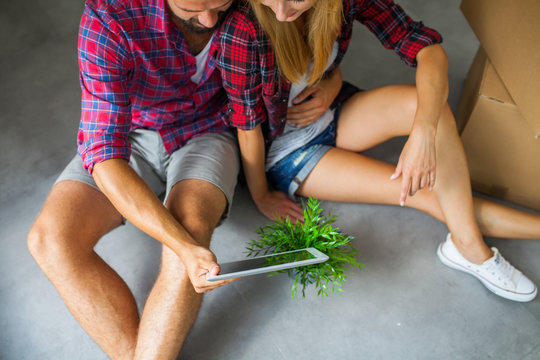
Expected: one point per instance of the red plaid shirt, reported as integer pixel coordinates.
(135, 70)
(250, 76)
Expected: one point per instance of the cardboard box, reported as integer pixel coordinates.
(509, 31)
(502, 151)
(470, 91)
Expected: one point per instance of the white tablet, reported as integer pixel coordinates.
(269, 263)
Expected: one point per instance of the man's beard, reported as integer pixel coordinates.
(193, 25)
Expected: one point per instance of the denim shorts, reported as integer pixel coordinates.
(292, 170)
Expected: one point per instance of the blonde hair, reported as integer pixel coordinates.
(294, 46)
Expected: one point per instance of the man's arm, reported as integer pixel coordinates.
(132, 197)
(106, 65)
(323, 93)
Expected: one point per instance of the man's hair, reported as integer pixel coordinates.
(295, 48)
(194, 26)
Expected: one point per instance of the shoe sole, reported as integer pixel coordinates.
(490, 286)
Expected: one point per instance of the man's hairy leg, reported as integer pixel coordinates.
(73, 219)
(172, 307)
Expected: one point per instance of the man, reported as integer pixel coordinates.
(151, 96)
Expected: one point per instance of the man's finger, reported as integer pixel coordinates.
(216, 284)
(305, 118)
(304, 94)
(206, 286)
(214, 270)
(299, 110)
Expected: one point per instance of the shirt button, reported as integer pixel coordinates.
(284, 100)
(283, 120)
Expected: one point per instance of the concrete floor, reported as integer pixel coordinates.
(403, 305)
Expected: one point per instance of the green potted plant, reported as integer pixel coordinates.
(316, 232)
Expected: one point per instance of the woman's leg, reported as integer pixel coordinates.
(374, 116)
(498, 220)
(390, 112)
(342, 175)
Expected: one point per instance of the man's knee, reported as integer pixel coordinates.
(34, 241)
(44, 247)
(73, 219)
(198, 206)
(198, 226)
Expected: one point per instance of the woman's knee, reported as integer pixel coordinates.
(447, 119)
(407, 96)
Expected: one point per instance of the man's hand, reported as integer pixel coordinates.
(308, 109)
(199, 261)
(416, 163)
(276, 204)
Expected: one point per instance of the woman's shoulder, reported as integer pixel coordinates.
(241, 22)
(355, 6)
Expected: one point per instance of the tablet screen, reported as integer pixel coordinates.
(266, 261)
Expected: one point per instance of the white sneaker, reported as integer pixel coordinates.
(497, 274)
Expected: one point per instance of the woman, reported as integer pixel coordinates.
(280, 52)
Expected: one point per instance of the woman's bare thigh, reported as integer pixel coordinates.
(342, 175)
(374, 116)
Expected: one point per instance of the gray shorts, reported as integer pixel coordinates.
(209, 157)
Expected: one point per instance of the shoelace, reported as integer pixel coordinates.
(501, 268)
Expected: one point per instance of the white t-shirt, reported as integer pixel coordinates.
(201, 59)
(294, 137)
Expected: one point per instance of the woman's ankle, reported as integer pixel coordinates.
(473, 248)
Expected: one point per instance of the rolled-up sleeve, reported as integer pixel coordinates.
(395, 29)
(240, 67)
(104, 67)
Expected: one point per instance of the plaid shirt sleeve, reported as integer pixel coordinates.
(103, 70)
(240, 68)
(394, 28)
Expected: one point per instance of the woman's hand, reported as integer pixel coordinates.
(314, 100)
(416, 163)
(273, 204)
(276, 204)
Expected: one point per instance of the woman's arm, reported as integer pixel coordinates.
(417, 164)
(242, 60)
(272, 204)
